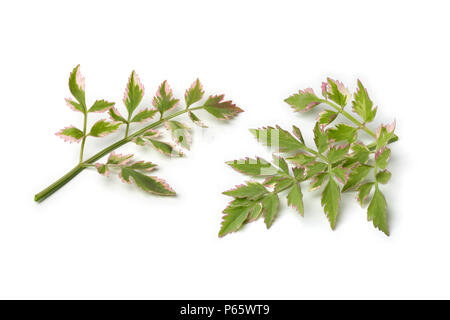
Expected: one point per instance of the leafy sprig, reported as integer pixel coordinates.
(338, 162)
(164, 103)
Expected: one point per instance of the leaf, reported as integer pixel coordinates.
(102, 169)
(142, 166)
(116, 116)
(223, 110)
(360, 154)
(376, 212)
(255, 212)
(103, 127)
(270, 208)
(320, 139)
(302, 159)
(382, 157)
(281, 163)
(298, 134)
(318, 181)
(295, 198)
(194, 93)
(144, 115)
(362, 105)
(234, 218)
(314, 168)
(74, 105)
(134, 92)
(357, 174)
(119, 159)
(70, 134)
(254, 167)
(150, 184)
(164, 100)
(277, 138)
(77, 87)
(180, 133)
(165, 148)
(326, 117)
(283, 184)
(385, 134)
(363, 192)
(330, 201)
(337, 153)
(383, 176)
(335, 91)
(342, 132)
(299, 174)
(196, 120)
(251, 190)
(340, 173)
(101, 106)
(140, 141)
(304, 100)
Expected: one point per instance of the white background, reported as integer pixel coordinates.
(99, 238)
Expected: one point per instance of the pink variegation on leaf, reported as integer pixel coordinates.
(80, 80)
(103, 169)
(119, 159)
(70, 134)
(133, 79)
(326, 88)
(72, 104)
(312, 104)
(389, 128)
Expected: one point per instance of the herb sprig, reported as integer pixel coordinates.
(164, 103)
(339, 162)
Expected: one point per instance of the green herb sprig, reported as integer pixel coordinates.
(164, 103)
(339, 161)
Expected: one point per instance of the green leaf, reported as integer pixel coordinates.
(363, 192)
(337, 153)
(320, 139)
(134, 92)
(76, 87)
(330, 201)
(144, 115)
(70, 134)
(314, 168)
(357, 174)
(196, 120)
(299, 174)
(283, 184)
(302, 159)
(116, 116)
(251, 190)
(270, 208)
(254, 167)
(298, 134)
(164, 100)
(223, 110)
(342, 132)
(101, 106)
(340, 173)
(304, 100)
(360, 155)
(336, 91)
(165, 148)
(147, 183)
(278, 138)
(382, 157)
(326, 117)
(318, 181)
(383, 176)
(194, 93)
(103, 127)
(74, 105)
(119, 159)
(140, 141)
(180, 133)
(102, 169)
(377, 211)
(281, 163)
(142, 166)
(385, 134)
(234, 217)
(255, 212)
(362, 105)
(295, 198)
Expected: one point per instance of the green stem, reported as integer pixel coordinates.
(84, 137)
(58, 184)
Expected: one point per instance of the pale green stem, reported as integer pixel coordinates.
(83, 142)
